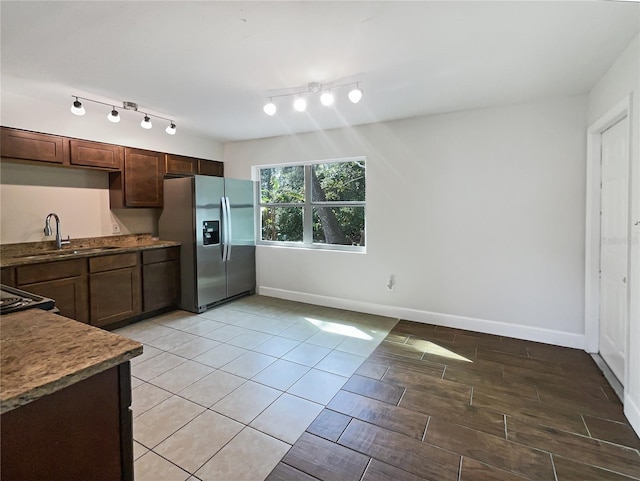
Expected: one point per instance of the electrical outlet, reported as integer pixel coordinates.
(391, 285)
(115, 228)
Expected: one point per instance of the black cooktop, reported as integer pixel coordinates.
(12, 300)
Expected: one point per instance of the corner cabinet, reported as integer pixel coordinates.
(64, 281)
(139, 183)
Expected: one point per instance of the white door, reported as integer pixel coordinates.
(614, 245)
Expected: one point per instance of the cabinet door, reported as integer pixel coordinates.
(63, 281)
(96, 154)
(160, 285)
(70, 295)
(20, 144)
(114, 295)
(140, 182)
(210, 167)
(179, 165)
(82, 432)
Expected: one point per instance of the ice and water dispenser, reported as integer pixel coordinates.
(210, 232)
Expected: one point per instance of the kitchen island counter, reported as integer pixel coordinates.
(42, 353)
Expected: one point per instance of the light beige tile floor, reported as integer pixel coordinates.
(224, 394)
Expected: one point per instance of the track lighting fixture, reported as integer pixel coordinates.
(77, 108)
(355, 95)
(300, 104)
(327, 98)
(270, 108)
(114, 116)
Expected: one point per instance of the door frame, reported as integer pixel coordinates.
(592, 231)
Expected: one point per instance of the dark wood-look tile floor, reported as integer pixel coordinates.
(442, 404)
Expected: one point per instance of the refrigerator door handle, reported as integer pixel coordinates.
(225, 242)
(229, 232)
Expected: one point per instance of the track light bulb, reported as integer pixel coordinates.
(300, 104)
(270, 108)
(171, 129)
(77, 108)
(355, 95)
(146, 122)
(114, 116)
(327, 99)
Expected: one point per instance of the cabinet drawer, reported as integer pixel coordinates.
(112, 262)
(96, 154)
(50, 271)
(160, 255)
(20, 144)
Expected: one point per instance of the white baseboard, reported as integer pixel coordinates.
(632, 411)
(528, 333)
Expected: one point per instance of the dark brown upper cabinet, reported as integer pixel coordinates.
(139, 184)
(180, 165)
(24, 145)
(210, 167)
(96, 154)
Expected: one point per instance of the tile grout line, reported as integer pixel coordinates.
(366, 468)
(460, 468)
(337, 441)
(401, 396)
(506, 434)
(424, 435)
(553, 465)
(585, 425)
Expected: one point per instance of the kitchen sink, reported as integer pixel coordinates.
(67, 252)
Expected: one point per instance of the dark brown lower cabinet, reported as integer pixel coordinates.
(70, 296)
(64, 281)
(114, 288)
(160, 278)
(105, 289)
(82, 432)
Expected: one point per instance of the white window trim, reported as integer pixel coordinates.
(307, 207)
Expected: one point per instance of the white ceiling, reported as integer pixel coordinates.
(212, 65)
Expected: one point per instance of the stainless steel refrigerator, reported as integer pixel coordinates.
(213, 219)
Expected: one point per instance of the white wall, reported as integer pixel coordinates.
(479, 215)
(622, 79)
(80, 197)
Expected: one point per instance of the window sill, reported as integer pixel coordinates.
(314, 247)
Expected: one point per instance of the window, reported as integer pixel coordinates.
(320, 204)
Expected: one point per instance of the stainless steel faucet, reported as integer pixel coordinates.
(47, 231)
